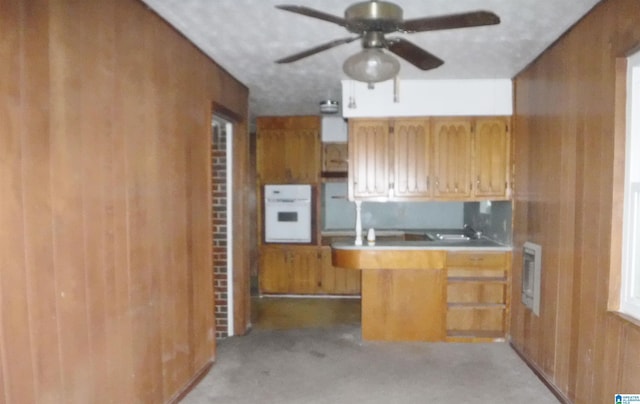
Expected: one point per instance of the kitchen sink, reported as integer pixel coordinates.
(452, 237)
(465, 234)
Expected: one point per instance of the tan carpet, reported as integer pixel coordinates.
(329, 363)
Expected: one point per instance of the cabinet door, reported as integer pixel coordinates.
(369, 158)
(334, 157)
(289, 269)
(412, 151)
(270, 162)
(491, 158)
(288, 150)
(337, 281)
(302, 155)
(452, 158)
(273, 273)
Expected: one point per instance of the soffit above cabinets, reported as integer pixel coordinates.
(485, 97)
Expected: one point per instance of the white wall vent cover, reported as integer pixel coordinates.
(531, 276)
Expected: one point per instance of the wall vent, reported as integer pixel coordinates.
(531, 276)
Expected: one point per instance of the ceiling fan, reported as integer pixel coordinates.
(371, 20)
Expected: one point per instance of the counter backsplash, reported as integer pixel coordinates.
(338, 214)
(493, 219)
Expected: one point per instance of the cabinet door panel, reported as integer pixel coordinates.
(452, 156)
(270, 164)
(476, 292)
(498, 260)
(304, 269)
(334, 157)
(288, 150)
(395, 309)
(303, 156)
(491, 157)
(292, 269)
(473, 318)
(412, 149)
(273, 270)
(369, 158)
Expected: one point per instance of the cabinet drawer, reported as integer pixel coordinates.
(463, 318)
(476, 292)
(477, 260)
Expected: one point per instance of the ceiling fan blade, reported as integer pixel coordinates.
(413, 54)
(316, 49)
(463, 20)
(310, 12)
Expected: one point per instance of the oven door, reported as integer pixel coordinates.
(287, 222)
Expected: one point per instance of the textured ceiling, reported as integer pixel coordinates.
(246, 36)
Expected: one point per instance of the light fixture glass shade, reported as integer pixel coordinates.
(371, 65)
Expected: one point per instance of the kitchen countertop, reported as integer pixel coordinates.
(467, 245)
(483, 243)
(352, 233)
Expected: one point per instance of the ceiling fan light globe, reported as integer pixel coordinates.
(371, 65)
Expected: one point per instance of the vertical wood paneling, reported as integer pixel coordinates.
(69, 238)
(199, 219)
(118, 261)
(105, 243)
(15, 343)
(141, 182)
(99, 73)
(37, 194)
(630, 366)
(564, 143)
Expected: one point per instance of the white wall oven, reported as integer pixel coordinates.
(287, 213)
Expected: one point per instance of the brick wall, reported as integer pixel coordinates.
(219, 228)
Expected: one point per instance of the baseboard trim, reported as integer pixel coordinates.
(200, 374)
(543, 378)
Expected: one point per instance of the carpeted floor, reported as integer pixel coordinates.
(331, 364)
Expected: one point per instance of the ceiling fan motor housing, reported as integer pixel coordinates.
(378, 16)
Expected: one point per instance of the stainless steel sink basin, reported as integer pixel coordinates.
(452, 237)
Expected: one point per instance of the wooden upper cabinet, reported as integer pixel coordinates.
(412, 143)
(452, 158)
(492, 158)
(288, 150)
(369, 166)
(448, 158)
(334, 158)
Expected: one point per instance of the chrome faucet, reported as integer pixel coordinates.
(471, 232)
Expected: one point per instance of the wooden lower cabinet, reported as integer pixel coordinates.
(288, 269)
(403, 292)
(403, 305)
(293, 269)
(478, 296)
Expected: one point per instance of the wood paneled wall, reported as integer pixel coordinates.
(564, 154)
(105, 210)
